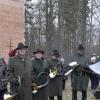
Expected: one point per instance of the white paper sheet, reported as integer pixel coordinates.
(95, 67)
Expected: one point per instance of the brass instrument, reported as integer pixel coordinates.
(38, 85)
(34, 88)
(9, 95)
(73, 65)
(53, 72)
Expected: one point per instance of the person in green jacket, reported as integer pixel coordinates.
(39, 65)
(79, 77)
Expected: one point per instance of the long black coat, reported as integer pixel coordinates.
(55, 85)
(78, 79)
(19, 67)
(38, 66)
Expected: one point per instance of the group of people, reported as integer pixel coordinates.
(21, 71)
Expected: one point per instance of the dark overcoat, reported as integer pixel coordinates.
(55, 84)
(20, 67)
(3, 82)
(80, 79)
(38, 66)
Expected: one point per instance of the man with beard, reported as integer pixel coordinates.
(19, 73)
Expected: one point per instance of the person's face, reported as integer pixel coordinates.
(53, 56)
(93, 61)
(22, 51)
(81, 52)
(39, 55)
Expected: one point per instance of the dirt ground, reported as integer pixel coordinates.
(67, 92)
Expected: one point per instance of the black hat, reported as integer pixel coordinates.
(38, 51)
(21, 46)
(81, 47)
(56, 53)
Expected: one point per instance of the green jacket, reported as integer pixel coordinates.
(80, 79)
(39, 66)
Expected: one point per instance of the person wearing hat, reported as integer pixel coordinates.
(79, 77)
(55, 86)
(19, 73)
(39, 65)
(94, 77)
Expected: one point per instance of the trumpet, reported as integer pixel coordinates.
(73, 65)
(9, 95)
(53, 72)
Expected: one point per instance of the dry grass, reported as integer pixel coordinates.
(67, 93)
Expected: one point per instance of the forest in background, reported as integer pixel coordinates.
(62, 25)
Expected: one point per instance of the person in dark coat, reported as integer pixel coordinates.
(63, 70)
(79, 77)
(3, 82)
(19, 73)
(39, 65)
(94, 77)
(55, 86)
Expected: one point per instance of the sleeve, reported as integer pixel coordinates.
(10, 72)
(47, 66)
(5, 70)
(4, 80)
(33, 72)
